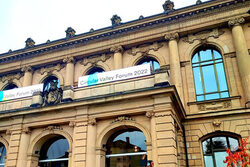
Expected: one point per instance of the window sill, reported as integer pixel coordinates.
(214, 100)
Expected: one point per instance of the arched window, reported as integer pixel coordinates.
(10, 86)
(126, 148)
(47, 82)
(54, 152)
(2, 154)
(209, 75)
(95, 70)
(153, 63)
(214, 150)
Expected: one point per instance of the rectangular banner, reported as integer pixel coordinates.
(116, 75)
(20, 92)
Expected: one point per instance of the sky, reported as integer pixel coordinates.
(48, 19)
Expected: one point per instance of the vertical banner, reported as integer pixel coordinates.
(116, 75)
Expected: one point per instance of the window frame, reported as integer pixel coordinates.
(212, 63)
(149, 59)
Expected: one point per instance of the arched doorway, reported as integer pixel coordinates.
(54, 153)
(126, 148)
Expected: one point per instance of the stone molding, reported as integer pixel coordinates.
(172, 36)
(203, 36)
(69, 59)
(144, 49)
(117, 49)
(236, 21)
(11, 77)
(230, 55)
(50, 69)
(93, 60)
(122, 118)
(27, 69)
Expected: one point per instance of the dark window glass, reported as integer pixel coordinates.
(214, 150)
(95, 70)
(153, 63)
(126, 148)
(2, 154)
(209, 75)
(10, 86)
(54, 152)
(47, 82)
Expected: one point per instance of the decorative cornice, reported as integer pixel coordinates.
(236, 21)
(144, 49)
(93, 60)
(50, 69)
(172, 36)
(117, 49)
(203, 35)
(11, 77)
(27, 69)
(65, 44)
(122, 118)
(69, 59)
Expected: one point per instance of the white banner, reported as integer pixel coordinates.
(20, 92)
(116, 75)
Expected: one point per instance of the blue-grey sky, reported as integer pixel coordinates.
(48, 19)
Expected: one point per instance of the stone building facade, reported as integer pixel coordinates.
(194, 104)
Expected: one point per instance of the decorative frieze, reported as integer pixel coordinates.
(203, 35)
(215, 106)
(144, 49)
(11, 77)
(236, 21)
(93, 60)
(50, 69)
(122, 118)
(53, 127)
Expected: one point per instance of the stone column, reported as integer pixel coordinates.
(243, 57)
(91, 143)
(175, 68)
(27, 80)
(118, 50)
(23, 148)
(69, 80)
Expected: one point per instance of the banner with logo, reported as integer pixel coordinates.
(20, 92)
(116, 75)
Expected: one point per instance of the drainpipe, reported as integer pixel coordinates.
(185, 142)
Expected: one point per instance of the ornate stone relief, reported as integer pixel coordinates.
(144, 49)
(53, 127)
(116, 49)
(50, 69)
(92, 121)
(53, 95)
(168, 6)
(122, 118)
(116, 20)
(149, 114)
(203, 36)
(215, 106)
(93, 60)
(29, 43)
(69, 59)
(27, 69)
(236, 21)
(216, 123)
(11, 77)
(70, 32)
(172, 36)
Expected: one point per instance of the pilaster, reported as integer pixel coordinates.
(28, 72)
(91, 143)
(118, 50)
(69, 80)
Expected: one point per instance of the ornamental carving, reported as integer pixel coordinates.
(203, 36)
(53, 95)
(93, 60)
(236, 21)
(116, 49)
(26, 130)
(122, 118)
(27, 69)
(50, 69)
(70, 32)
(144, 49)
(72, 123)
(172, 36)
(11, 77)
(215, 106)
(53, 127)
(92, 121)
(69, 59)
(29, 43)
(216, 123)
(116, 20)
(149, 114)
(168, 6)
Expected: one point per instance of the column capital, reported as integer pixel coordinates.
(116, 49)
(26, 130)
(172, 36)
(27, 69)
(236, 21)
(69, 59)
(92, 121)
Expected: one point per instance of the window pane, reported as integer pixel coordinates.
(217, 55)
(195, 58)
(206, 145)
(224, 94)
(234, 144)
(156, 65)
(209, 79)
(219, 143)
(208, 161)
(58, 149)
(198, 81)
(219, 157)
(206, 55)
(221, 76)
(212, 96)
(127, 161)
(200, 98)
